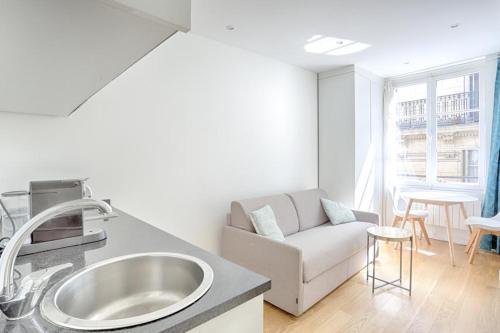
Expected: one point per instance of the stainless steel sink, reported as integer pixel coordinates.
(127, 291)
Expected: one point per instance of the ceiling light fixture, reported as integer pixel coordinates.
(324, 44)
(348, 49)
(229, 27)
(406, 63)
(454, 25)
(333, 46)
(314, 37)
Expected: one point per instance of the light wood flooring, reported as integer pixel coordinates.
(464, 298)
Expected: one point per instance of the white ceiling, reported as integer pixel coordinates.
(414, 31)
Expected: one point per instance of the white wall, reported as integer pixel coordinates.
(173, 140)
(350, 143)
(336, 136)
(369, 110)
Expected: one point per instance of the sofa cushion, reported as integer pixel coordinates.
(282, 206)
(309, 209)
(337, 213)
(327, 245)
(264, 222)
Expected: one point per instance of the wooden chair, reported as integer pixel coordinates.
(480, 226)
(416, 216)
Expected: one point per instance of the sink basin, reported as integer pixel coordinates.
(127, 291)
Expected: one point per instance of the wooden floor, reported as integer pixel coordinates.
(464, 298)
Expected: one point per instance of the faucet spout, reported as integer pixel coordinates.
(11, 251)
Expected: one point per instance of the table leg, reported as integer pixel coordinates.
(411, 262)
(464, 214)
(450, 234)
(414, 231)
(424, 231)
(373, 264)
(367, 254)
(401, 264)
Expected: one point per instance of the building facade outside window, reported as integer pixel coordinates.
(435, 129)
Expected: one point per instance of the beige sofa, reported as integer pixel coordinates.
(316, 256)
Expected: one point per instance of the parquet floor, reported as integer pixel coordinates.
(464, 298)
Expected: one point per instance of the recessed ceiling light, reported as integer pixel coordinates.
(455, 25)
(230, 27)
(333, 46)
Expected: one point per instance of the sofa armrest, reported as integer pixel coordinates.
(279, 261)
(366, 216)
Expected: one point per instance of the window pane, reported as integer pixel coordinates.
(457, 111)
(411, 133)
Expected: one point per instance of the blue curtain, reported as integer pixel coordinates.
(491, 204)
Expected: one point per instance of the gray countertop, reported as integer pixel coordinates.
(232, 285)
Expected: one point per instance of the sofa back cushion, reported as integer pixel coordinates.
(282, 206)
(309, 209)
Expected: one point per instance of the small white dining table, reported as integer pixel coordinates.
(439, 198)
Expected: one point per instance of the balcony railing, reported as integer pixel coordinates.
(411, 114)
(453, 179)
(454, 109)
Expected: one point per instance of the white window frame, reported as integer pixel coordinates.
(430, 78)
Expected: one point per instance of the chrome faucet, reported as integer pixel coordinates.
(21, 303)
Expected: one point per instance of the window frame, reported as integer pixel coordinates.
(430, 78)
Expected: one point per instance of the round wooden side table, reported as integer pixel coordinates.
(390, 234)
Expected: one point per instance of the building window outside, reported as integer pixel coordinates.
(471, 166)
(452, 120)
(411, 138)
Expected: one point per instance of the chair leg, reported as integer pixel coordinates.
(402, 227)
(404, 223)
(421, 222)
(394, 224)
(472, 238)
(414, 230)
(475, 246)
(395, 221)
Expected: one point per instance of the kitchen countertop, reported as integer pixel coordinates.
(232, 285)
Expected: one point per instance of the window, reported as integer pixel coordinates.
(435, 130)
(411, 139)
(457, 111)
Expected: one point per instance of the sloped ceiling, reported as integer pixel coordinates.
(55, 54)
